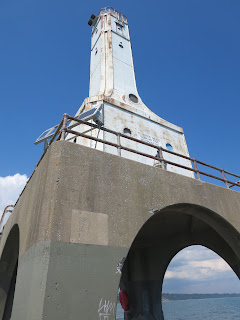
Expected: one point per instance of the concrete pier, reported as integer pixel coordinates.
(89, 221)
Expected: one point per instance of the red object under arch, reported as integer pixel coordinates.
(123, 298)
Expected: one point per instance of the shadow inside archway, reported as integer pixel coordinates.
(8, 273)
(159, 240)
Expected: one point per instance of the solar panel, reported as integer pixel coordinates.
(93, 113)
(47, 134)
(87, 114)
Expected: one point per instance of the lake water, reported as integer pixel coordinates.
(207, 309)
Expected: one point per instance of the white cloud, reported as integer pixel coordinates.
(196, 253)
(217, 265)
(10, 188)
(197, 269)
(197, 263)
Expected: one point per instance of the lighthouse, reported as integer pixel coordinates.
(113, 93)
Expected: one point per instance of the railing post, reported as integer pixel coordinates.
(119, 144)
(64, 126)
(163, 163)
(224, 178)
(196, 169)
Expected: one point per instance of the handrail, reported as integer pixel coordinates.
(62, 128)
(159, 149)
(150, 156)
(4, 213)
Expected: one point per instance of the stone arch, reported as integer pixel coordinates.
(167, 232)
(8, 272)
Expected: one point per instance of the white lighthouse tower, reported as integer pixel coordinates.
(114, 92)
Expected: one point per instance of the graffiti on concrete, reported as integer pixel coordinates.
(120, 265)
(106, 309)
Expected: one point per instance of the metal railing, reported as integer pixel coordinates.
(8, 209)
(117, 13)
(63, 130)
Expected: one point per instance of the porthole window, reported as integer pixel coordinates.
(96, 51)
(169, 147)
(120, 45)
(127, 131)
(133, 98)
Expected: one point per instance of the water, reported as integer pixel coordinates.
(207, 309)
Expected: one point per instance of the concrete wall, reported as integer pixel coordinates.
(81, 212)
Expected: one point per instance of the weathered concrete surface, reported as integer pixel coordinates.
(31, 282)
(81, 212)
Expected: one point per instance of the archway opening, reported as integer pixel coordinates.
(199, 283)
(8, 273)
(166, 233)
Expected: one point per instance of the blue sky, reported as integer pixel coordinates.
(186, 56)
